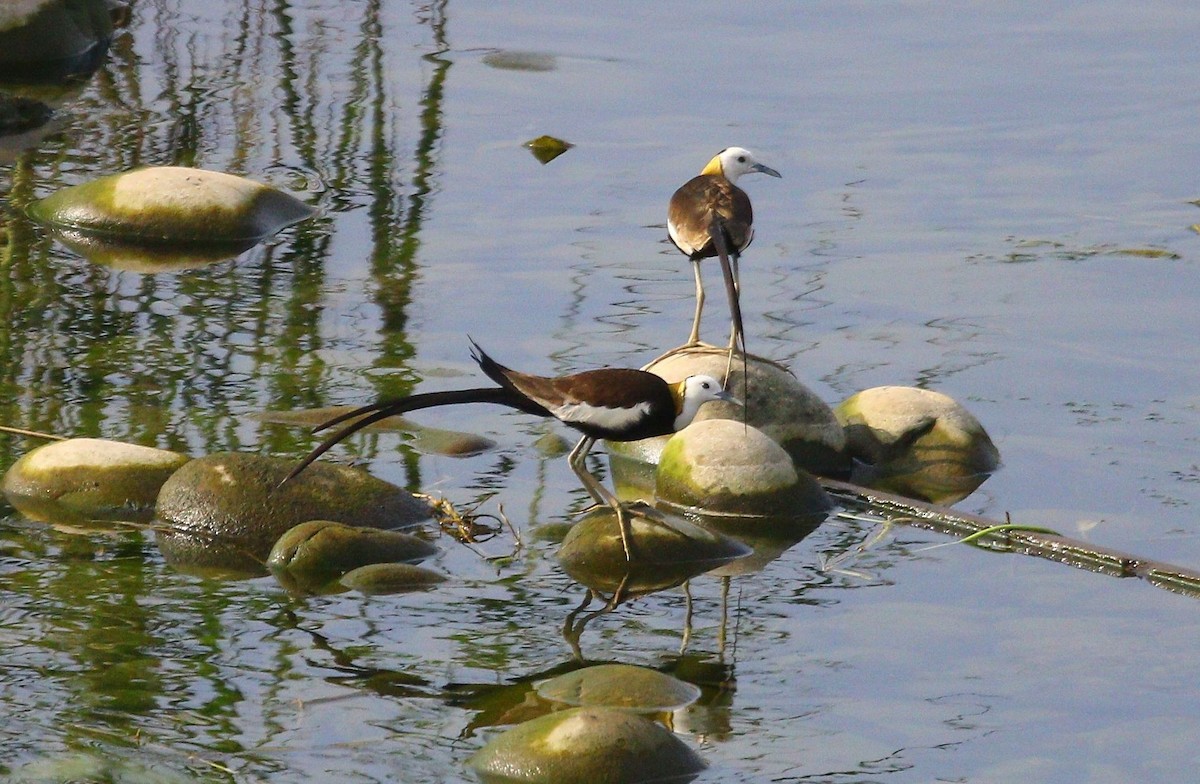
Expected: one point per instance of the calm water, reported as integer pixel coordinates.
(961, 187)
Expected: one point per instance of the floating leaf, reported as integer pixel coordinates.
(547, 148)
(1146, 253)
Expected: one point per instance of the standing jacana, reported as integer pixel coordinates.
(710, 216)
(617, 404)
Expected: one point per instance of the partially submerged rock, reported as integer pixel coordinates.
(777, 404)
(587, 746)
(227, 510)
(52, 40)
(917, 442)
(666, 552)
(318, 551)
(639, 689)
(90, 478)
(383, 578)
(719, 466)
(428, 440)
(172, 204)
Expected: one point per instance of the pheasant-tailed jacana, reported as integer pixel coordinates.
(710, 216)
(617, 404)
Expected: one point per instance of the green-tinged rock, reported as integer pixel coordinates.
(719, 466)
(225, 511)
(639, 689)
(514, 60)
(777, 404)
(666, 552)
(383, 578)
(52, 40)
(109, 765)
(918, 443)
(90, 477)
(547, 148)
(587, 746)
(318, 551)
(172, 204)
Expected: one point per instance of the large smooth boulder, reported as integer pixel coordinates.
(227, 510)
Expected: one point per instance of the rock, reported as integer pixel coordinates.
(719, 466)
(917, 442)
(163, 204)
(587, 746)
(640, 689)
(428, 440)
(547, 148)
(318, 551)
(90, 477)
(384, 578)
(18, 115)
(52, 40)
(667, 552)
(778, 405)
(225, 511)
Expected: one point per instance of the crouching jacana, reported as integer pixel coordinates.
(710, 216)
(617, 404)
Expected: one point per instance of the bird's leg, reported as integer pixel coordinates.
(694, 338)
(600, 493)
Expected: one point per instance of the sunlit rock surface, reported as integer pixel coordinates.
(639, 689)
(777, 404)
(587, 746)
(227, 510)
(917, 442)
(172, 204)
(722, 466)
(91, 477)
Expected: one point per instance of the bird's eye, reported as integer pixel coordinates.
(741, 159)
(707, 385)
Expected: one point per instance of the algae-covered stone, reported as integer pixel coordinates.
(666, 552)
(587, 746)
(720, 466)
(917, 442)
(91, 476)
(227, 510)
(547, 148)
(776, 403)
(382, 578)
(172, 204)
(321, 550)
(52, 40)
(639, 689)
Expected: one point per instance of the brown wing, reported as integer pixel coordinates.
(692, 208)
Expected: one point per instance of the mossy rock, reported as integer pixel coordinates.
(625, 686)
(318, 551)
(90, 477)
(587, 746)
(226, 510)
(385, 578)
(161, 204)
(777, 404)
(917, 442)
(666, 552)
(719, 466)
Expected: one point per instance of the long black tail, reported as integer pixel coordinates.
(720, 239)
(375, 412)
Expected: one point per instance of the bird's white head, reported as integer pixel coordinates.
(695, 391)
(733, 162)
